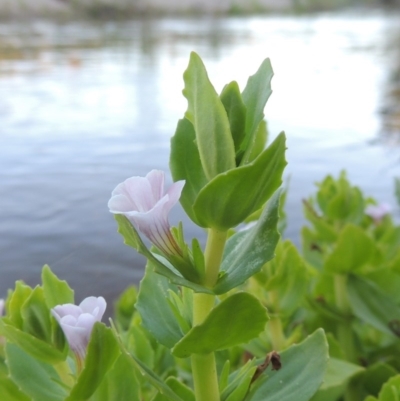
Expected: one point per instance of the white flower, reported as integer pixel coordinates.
(77, 322)
(143, 202)
(2, 303)
(378, 212)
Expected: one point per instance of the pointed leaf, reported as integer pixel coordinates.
(56, 291)
(247, 251)
(185, 164)
(301, 374)
(236, 111)
(157, 316)
(120, 383)
(37, 348)
(255, 96)
(103, 350)
(223, 327)
(370, 304)
(229, 198)
(36, 379)
(208, 116)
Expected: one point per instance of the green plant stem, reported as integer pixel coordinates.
(276, 332)
(203, 366)
(64, 372)
(345, 334)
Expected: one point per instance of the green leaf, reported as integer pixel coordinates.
(255, 96)
(102, 352)
(223, 327)
(179, 388)
(124, 308)
(353, 250)
(376, 375)
(229, 198)
(120, 383)
(37, 348)
(153, 379)
(370, 304)
(260, 141)
(391, 390)
(247, 251)
(236, 111)
(157, 316)
(10, 392)
(208, 116)
(302, 372)
(288, 277)
(56, 291)
(239, 382)
(36, 315)
(17, 299)
(158, 263)
(337, 374)
(185, 164)
(37, 379)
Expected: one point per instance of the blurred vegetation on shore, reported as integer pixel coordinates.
(123, 9)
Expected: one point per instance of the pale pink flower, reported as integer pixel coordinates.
(143, 201)
(378, 212)
(77, 322)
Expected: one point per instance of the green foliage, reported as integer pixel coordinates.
(210, 121)
(103, 351)
(230, 198)
(223, 326)
(302, 372)
(245, 318)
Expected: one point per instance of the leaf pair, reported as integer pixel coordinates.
(219, 193)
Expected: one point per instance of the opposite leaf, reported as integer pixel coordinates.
(208, 116)
(255, 96)
(247, 251)
(236, 320)
(230, 197)
(185, 164)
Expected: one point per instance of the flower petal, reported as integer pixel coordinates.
(94, 306)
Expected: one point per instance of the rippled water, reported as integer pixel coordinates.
(83, 107)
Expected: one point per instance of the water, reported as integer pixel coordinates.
(83, 107)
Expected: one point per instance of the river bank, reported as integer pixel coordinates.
(130, 8)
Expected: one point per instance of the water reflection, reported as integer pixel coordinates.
(86, 106)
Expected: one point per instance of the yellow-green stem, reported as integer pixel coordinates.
(203, 366)
(277, 335)
(276, 332)
(64, 373)
(345, 334)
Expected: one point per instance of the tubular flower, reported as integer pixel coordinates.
(143, 201)
(2, 303)
(77, 322)
(378, 212)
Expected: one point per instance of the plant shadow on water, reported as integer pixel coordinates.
(87, 105)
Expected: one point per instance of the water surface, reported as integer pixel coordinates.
(83, 107)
